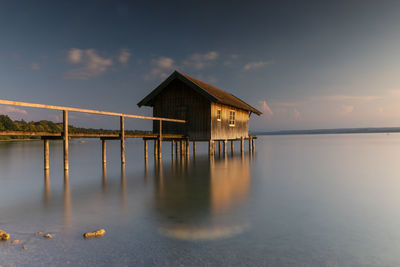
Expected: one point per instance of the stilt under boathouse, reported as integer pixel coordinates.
(211, 114)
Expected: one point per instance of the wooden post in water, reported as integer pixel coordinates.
(241, 145)
(65, 139)
(177, 149)
(182, 147)
(219, 148)
(250, 147)
(187, 149)
(253, 145)
(194, 148)
(155, 148)
(46, 153)
(104, 149)
(145, 148)
(172, 148)
(210, 148)
(122, 135)
(232, 146)
(160, 140)
(225, 147)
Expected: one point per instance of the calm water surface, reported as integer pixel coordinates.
(316, 200)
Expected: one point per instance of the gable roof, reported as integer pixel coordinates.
(212, 93)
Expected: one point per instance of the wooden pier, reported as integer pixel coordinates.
(178, 142)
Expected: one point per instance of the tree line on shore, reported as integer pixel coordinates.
(7, 124)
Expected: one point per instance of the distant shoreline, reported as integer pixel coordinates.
(332, 131)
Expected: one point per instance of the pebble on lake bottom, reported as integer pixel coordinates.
(98, 233)
(4, 236)
(48, 235)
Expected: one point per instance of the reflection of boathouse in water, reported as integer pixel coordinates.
(211, 113)
(205, 202)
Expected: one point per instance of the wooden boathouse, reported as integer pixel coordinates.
(211, 114)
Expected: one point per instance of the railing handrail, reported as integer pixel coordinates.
(91, 111)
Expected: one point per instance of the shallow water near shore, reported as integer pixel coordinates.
(307, 200)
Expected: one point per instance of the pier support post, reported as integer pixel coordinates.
(194, 148)
(225, 147)
(250, 146)
(219, 148)
(182, 147)
(241, 145)
(160, 140)
(253, 145)
(155, 148)
(145, 148)
(46, 153)
(177, 149)
(172, 148)
(122, 135)
(211, 147)
(232, 146)
(187, 149)
(65, 139)
(104, 150)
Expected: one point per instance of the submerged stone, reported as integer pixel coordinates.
(4, 236)
(98, 233)
(48, 235)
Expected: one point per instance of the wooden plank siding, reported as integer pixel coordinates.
(180, 101)
(221, 130)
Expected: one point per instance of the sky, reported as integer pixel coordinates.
(304, 64)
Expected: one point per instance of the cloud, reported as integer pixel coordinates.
(35, 66)
(199, 61)
(124, 56)
(296, 114)
(161, 67)
(91, 64)
(12, 110)
(75, 55)
(346, 109)
(267, 111)
(257, 65)
(364, 98)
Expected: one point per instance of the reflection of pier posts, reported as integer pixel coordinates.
(122, 136)
(194, 148)
(123, 188)
(46, 154)
(46, 187)
(104, 182)
(65, 139)
(242, 145)
(67, 201)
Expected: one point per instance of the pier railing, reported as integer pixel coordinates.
(65, 134)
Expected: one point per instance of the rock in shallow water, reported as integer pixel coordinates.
(98, 233)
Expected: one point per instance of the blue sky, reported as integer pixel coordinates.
(305, 64)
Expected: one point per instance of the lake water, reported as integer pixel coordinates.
(312, 200)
